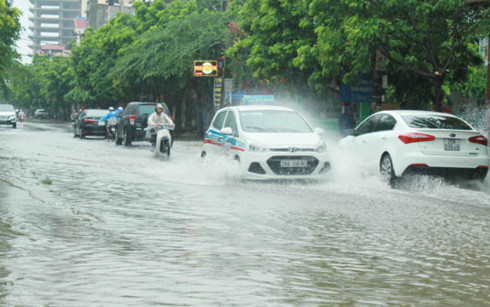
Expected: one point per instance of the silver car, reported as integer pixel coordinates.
(7, 115)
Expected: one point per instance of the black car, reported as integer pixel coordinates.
(131, 126)
(88, 123)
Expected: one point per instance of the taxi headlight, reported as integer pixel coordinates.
(256, 147)
(12, 118)
(322, 147)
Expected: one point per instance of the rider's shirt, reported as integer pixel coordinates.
(154, 119)
(112, 121)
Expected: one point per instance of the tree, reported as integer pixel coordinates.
(9, 33)
(95, 57)
(24, 87)
(274, 33)
(476, 85)
(161, 60)
(429, 41)
(55, 77)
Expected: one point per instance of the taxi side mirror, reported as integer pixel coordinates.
(227, 131)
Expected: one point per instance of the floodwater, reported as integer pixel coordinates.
(86, 223)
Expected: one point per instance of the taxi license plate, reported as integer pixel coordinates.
(451, 145)
(101, 123)
(294, 163)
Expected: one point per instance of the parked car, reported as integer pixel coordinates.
(8, 115)
(269, 142)
(131, 126)
(41, 113)
(88, 123)
(396, 143)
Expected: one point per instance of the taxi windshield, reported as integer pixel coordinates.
(273, 121)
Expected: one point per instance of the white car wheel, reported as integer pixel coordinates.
(386, 169)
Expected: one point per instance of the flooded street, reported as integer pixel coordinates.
(86, 223)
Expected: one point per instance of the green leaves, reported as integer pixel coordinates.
(293, 46)
(9, 33)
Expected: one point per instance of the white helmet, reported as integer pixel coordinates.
(111, 108)
(158, 106)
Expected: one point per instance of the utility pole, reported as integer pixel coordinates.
(488, 72)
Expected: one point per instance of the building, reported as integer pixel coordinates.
(52, 22)
(99, 12)
(54, 50)
(80, 27)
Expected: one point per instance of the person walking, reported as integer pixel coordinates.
(346, 121)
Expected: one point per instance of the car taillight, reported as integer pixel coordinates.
(132, 120)
(415, 137)
(89, 121)
(479, 139)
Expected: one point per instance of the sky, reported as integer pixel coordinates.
(23, 42)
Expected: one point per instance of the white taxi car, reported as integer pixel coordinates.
(401, 142)
(269, 142)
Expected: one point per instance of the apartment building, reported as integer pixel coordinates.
(52, 22)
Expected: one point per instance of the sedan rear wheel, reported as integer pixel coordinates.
(386, 169)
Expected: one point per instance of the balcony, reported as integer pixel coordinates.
(50, 2)
(45, 29)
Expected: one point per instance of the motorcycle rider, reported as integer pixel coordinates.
(109, 115)
(109, 118)
(118, 113)
(157, 119)
(21, 115)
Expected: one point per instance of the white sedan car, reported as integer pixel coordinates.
(269, 142)
(401, 142)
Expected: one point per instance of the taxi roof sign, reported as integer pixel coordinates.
(205, 68)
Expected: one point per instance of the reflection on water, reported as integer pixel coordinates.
(118, 227)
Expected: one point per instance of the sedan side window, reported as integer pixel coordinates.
(368, 126)
(231, 122)
(218, 121)
(386, 122)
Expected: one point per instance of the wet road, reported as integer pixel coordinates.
(86, 223)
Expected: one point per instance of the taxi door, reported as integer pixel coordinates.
(213, 139)
(230, 140)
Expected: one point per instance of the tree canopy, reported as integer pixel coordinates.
(427, 41)
(295, 48)
(9, 33)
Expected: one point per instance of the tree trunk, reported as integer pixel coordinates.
(178, 114)
(438, 94)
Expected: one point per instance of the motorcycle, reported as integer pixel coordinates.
(111, 129)
(161, 139)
